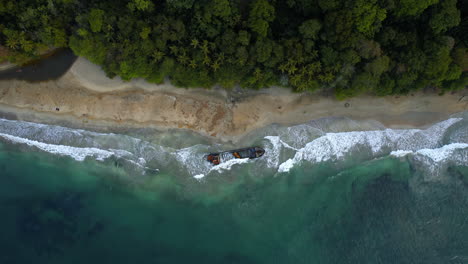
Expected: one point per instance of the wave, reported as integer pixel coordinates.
(339, 146)
(225, 166)
(78, 154)
(435, 161)
(286, 147)
(436, 155)
(77, 144)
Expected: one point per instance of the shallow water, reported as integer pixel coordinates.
(330, 191)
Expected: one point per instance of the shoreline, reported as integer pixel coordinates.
(85, 98)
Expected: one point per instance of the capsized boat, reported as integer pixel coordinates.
(251, 153)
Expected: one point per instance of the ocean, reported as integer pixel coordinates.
(332, 190)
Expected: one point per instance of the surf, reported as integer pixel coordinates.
(286, 147)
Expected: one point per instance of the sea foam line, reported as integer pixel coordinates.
(76, 153)
(222, 167)
(335, 146)
(436, 154)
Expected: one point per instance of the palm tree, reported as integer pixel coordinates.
(204, 47)
(193, 64)
(257, 74)
(12, 43)
(206, 60)
(221, 57)
(183, 59)
(174, 50)
(195, 43)
(292, 69)
(158, 55)
(215, 66)
(326, 77)
(283, 67)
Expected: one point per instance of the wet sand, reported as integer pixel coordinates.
(85, 97)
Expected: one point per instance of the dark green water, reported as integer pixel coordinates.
(57, 210)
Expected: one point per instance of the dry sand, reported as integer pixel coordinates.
(84, 97)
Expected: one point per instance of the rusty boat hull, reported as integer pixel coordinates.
(243, 153)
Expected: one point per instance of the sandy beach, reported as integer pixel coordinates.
(85, 97)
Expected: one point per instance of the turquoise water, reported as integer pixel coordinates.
(74, 196)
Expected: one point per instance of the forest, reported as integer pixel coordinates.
(346, 47)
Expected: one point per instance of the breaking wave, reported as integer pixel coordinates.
(369, 144)
(78, 154)
(286, 147)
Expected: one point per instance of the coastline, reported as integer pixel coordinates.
(84, 97)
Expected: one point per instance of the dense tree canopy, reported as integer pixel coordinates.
(349, 47)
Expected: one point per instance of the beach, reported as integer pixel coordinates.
(234, 132)
(96, 168)
(85, 97)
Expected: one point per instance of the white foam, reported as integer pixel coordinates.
(185, 155)
(335, 146)
(199, 176)
(192, 159)
(436, 155)
(400, 153)
(273, 153)
(442, 153)
(286, 166)
(228, 164)
(142, 161)
(299, 135)
(76, 153)
(435, 161)
(275, 140)
(224, 166)
(304, 143)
